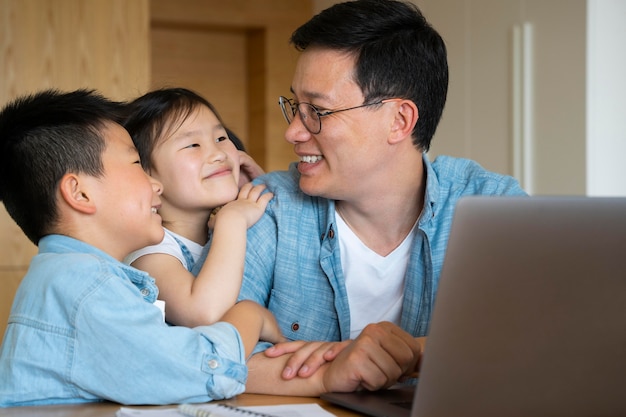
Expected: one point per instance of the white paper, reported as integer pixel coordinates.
(215, 410)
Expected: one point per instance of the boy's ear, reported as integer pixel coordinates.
(405, 119)
(75, 193)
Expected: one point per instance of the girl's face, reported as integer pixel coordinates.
(197, 164)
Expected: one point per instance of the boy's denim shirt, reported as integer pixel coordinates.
(83, 328)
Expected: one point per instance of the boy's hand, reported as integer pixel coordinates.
(307, 356)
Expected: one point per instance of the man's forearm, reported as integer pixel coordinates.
(376, 359)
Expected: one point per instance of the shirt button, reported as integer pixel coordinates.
(331, 233)
(213, 364)
(295, 326)
(145, 292)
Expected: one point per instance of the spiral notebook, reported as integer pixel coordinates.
(226, 410)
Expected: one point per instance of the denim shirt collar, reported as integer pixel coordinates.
(429, 211)
(431, 195)
(65, 244)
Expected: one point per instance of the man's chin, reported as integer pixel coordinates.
(313, 188)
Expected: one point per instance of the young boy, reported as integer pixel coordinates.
(83, 326)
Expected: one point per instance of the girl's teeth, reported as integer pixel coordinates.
(154, 210)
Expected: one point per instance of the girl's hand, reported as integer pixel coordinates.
(249, 169)
(249, 205)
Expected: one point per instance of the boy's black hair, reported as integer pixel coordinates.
(398, 54)
(43, 136)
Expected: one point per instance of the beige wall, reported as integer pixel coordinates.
(237, 55)
(124, 48)
(515, 113)
(65, 44)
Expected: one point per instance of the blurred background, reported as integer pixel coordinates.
(536, 91)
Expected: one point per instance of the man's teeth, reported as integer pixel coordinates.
(311, 158)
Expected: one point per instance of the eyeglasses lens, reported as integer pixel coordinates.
(308, 114)
(310, 117)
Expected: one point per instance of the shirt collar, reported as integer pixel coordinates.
(432, 192)
(65, 244)
(430, 200)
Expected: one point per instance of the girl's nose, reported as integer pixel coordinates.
(217, 155)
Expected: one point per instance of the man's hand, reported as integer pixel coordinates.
(382, 354)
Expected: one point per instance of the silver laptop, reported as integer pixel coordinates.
(530, 316)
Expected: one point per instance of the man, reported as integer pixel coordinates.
(357, 230)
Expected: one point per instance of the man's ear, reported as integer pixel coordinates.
(75, 192)
(405, 119)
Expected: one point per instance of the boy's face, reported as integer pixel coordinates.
(127, 198)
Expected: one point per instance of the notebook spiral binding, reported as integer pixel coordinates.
(192, 410)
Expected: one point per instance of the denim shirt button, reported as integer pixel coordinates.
(331, 233)
(145, 292)
(295, 326)
(213, 364)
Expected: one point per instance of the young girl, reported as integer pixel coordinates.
(183, 143)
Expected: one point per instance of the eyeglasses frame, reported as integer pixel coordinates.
(296, 106)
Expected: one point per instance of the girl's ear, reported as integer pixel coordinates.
(405, 119)
(75, 193)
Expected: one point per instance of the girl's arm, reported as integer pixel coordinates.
(204, 299)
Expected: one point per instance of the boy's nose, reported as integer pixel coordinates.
(156, 185)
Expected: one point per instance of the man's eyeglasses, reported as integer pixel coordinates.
(311, 116)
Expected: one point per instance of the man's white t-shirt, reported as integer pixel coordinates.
(374, 283)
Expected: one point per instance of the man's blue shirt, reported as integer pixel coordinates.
(293, 263)
(83, 328)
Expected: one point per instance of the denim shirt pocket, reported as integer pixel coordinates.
(305, 316)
